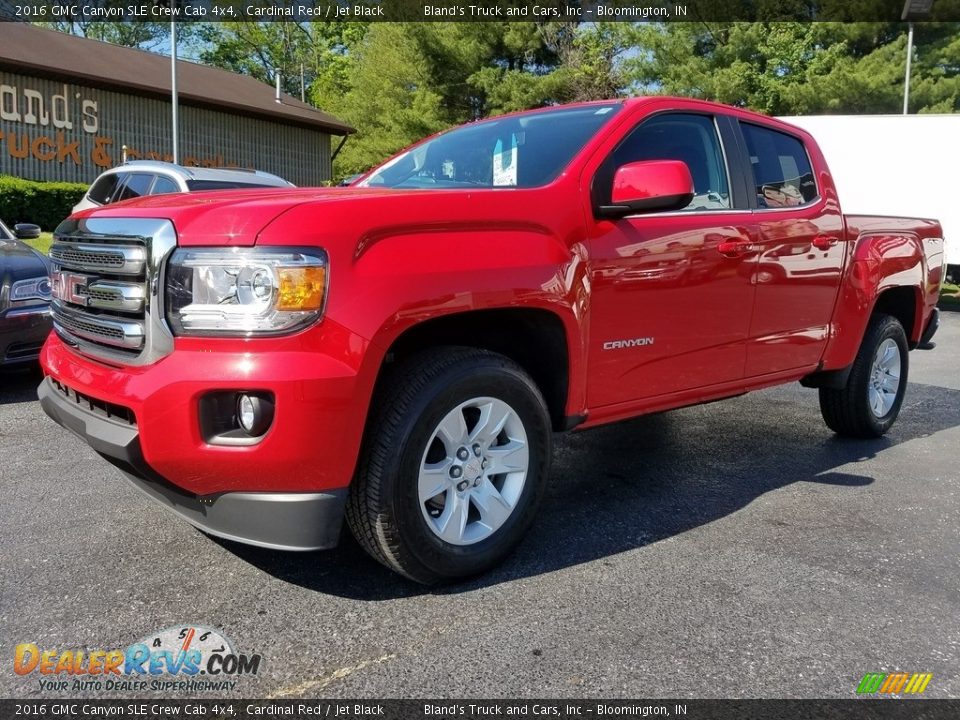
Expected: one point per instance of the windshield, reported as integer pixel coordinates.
(521, 151)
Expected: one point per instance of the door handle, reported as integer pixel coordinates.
(734, 248)
(824, 242)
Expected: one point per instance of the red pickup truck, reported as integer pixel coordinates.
(399, 352)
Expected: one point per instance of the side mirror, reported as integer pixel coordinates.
(26, 231)
(647, 186)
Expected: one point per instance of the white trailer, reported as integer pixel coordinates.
(895, 165)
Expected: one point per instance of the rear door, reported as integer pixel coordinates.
(800, 242)
(669, 310)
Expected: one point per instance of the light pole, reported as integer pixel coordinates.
(173, 92)
(912, 10)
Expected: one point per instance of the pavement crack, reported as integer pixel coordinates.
(320, 683)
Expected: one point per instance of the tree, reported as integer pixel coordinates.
(400, 82)
(153, 36)
(801, 68)
(311, 50)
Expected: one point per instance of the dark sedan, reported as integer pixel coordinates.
(24, 296)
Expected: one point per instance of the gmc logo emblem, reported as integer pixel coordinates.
(69, 287)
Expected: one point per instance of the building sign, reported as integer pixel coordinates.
(52, 130)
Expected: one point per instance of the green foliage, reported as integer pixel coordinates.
(267, 49)
(397, 82)
(43, 203)
(154, 36)
(401, 81)
(802, 68)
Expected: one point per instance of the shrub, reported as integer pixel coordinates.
(43, 203)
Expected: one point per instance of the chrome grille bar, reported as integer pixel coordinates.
(119, 260)
(114, 295)
(122, 334)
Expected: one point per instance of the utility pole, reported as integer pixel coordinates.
(906, 79)
(175, 129)
(912, 10)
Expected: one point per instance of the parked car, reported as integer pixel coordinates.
(149, 177)
(24, 296)
(400, 352)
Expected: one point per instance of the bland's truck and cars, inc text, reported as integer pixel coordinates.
(399, 352)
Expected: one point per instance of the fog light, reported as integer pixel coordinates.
(254, 414)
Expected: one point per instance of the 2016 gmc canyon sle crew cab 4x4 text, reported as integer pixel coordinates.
(400, 351)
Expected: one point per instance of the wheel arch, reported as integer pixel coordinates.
(534, 338)
(886, 274)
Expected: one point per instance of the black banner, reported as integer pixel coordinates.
(141, 709)
(479, 10)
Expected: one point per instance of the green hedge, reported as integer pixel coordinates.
(43, 203)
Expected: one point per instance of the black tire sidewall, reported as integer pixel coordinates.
(889, 328)
(485, 377)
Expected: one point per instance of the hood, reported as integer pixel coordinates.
(19, 261)
(222, 217)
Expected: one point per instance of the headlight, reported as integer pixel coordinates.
(32, 289)
(245, 291)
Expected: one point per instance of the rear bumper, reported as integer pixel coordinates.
(278, 520)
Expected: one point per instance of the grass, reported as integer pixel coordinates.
(949, 297)
(42, 243)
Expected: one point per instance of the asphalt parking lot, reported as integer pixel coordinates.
(730, 550)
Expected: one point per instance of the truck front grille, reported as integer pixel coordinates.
(107, 286)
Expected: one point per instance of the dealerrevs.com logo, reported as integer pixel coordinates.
(183, 658)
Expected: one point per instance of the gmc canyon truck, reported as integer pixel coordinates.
(400, 351)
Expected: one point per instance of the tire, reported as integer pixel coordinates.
(426, 411)
(860, 409)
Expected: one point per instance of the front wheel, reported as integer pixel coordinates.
(453, 467)
(870, 403)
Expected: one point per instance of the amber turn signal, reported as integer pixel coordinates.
(301, 288)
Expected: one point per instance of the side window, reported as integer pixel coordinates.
(782, 174)
(675, 136)
(137, 184)
(102, 190)
(164, 186)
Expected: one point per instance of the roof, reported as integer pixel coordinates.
(239, 175)
(53, 54)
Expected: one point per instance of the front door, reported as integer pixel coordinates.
(671, 292)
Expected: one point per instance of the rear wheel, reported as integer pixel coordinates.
(870, 403)
(454, 465)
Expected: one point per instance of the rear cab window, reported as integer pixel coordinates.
(782, 173)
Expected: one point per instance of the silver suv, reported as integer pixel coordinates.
(151, 177)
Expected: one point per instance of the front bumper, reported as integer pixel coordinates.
(278, 520)
(320, 398)
(22, 332)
